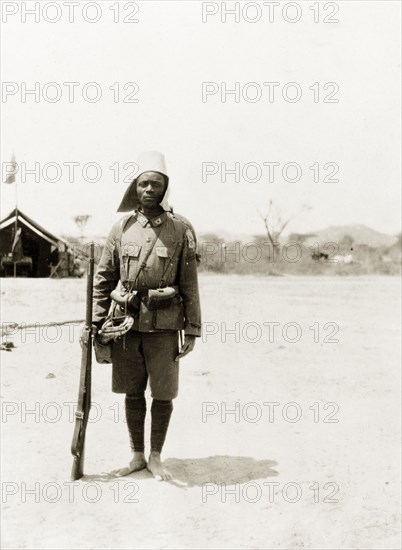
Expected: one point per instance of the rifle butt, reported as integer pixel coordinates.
(77, 470)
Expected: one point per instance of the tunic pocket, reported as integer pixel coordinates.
(130, 255)
(131, 250)
(162, 251)
(170, 318)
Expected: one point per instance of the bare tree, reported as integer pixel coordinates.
(275, 223)
(81, 221)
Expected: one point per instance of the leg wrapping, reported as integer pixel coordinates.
(136, 409)
(161, 412)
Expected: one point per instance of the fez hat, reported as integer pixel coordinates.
(149, 161)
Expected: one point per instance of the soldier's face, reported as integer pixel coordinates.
(151, 187)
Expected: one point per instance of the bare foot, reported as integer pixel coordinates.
(138, 462)
(156, 467)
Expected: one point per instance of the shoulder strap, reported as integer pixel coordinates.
(122, 224)
(119, 236)
(180, 223)
(147, 255)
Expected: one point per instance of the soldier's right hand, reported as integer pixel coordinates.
(85, 335)
(96, 334)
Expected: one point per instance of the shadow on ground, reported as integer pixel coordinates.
(112, 476)
(194, 472)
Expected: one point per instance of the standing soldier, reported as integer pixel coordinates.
(149, 265)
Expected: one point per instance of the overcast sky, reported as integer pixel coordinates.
(168, 54)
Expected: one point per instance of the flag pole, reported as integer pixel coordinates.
(16, 221)
(12, 179)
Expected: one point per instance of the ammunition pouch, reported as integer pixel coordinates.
(125, 302)
(161, 298)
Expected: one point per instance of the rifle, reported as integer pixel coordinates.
(84, 392)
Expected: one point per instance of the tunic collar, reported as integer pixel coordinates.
(154, 222)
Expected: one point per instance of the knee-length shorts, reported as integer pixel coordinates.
(139, 356)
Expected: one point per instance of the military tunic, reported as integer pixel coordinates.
(167, 243)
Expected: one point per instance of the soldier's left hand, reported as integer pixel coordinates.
(189, 343)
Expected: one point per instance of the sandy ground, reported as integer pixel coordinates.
(316, 468)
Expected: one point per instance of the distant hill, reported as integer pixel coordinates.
(361, 234)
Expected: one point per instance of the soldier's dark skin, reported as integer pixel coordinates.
(151, 187)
